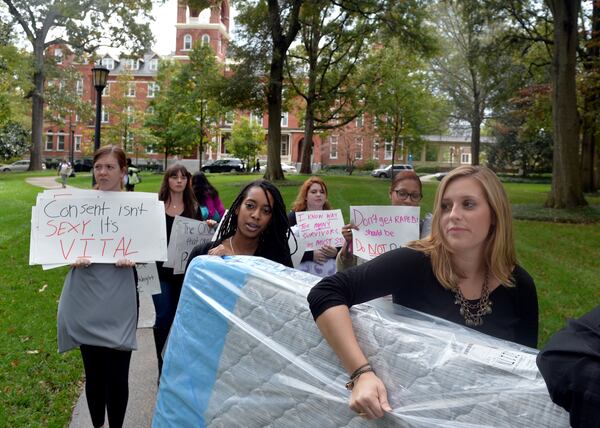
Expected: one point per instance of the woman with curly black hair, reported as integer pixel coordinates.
(255, 225)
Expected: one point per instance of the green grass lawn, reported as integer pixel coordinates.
(38, 386)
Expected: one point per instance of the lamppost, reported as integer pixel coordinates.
(99, 77)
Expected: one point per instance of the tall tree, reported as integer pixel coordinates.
(322, 69)
(82, 24)
(566, 190)
(402, 102)
(473, 69)
(163, 118)
(267, 29)
(15, 67)
(246, 141)
(196, 87)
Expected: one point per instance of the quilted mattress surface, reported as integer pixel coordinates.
(244, 351)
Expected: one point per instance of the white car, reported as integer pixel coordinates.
(22, 165)
(288, 169)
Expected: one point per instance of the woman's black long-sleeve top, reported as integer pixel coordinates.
(407, 274)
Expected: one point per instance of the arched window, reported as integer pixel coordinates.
(187, 42)
(205, 39)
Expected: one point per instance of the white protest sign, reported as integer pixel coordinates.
(297, 244)
(319, 228)
(148, 282)
(185, 235)
(100, 226)
(382, 228)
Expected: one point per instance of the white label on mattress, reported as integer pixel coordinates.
(515, 362)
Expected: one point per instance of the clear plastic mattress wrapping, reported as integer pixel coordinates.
(244, 351)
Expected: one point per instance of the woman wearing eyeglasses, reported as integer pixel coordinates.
(464, 271)
(405, 190)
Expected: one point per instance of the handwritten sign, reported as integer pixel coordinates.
(185, 235)
(319, 228)
(100, 226)
(382, 228)
(148, 282)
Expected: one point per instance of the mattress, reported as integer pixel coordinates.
(244, 351)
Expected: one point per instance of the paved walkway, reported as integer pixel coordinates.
(143, 370)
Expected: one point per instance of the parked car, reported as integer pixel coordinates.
(387, 171)
(224, 165)
(83, 165)
(440, 175)
(22, 165)
(288, 169)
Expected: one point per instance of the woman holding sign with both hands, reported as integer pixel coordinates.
(177, 194)
(313, 197)
(98, 312)
(465, 271)
(406, 190)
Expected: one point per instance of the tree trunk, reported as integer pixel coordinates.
(273, 170)
(475, 122)
(590, 106)
(566, 191)
(37, 107)
(309, 130)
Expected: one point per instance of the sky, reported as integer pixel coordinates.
(163, 27)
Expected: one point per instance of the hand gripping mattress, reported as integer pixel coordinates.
(244, 351)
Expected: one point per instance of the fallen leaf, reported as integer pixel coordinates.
(41, 290)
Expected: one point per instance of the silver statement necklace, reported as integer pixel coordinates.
(473, 312)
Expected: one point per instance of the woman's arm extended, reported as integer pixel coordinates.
(369, 396)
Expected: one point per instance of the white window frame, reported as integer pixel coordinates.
(49, 139)
(285, 145)
(153, 64)
(108, 63)
(79, 87)
(333, 147)
(205, 40)
(376, 149)
(228, 119)
(152, 89)
(256, 118)
(284, 119)
(131, 64)
(150, 110)
(389, 147)
(106, 90)
(360, 121)
(187, 42)
(465, 158)
(105, 116)
(150, 149)
(358, 149)
(77, 146)
(58, 55)
(131, 89)
(60, 142)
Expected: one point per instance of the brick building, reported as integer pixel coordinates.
(132, 85)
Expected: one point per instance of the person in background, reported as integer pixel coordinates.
(406, 190)
(64, 170)
(210, 207)
(257, 165)
(570, 365)
(255, 225)
(177, 194)
(313, 197)
(132, 178)
(465, 271)
(97, 312)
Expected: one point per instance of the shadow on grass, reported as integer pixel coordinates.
(536, 212)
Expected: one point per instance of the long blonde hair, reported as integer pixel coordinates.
(499, 253)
